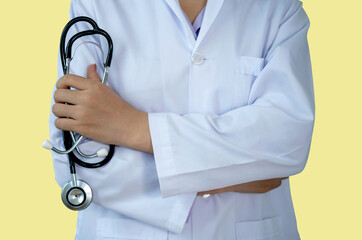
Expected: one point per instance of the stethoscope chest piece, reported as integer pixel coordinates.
(77, 196)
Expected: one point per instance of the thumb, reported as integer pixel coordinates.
(92, 73)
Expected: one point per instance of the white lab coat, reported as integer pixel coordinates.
(236, 105)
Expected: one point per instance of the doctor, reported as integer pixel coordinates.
(192, 110)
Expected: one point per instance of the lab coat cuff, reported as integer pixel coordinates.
(166, 171)
(164, 154)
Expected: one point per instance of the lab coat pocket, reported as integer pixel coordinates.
(128, 229)
(246, 70)
(265, 229)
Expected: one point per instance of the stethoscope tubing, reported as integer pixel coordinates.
(77, 194)
(66, 57)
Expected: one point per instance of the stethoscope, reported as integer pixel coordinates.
(77, 194)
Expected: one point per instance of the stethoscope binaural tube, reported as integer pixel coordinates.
(66, 57)
(67, 54)
(77, 194)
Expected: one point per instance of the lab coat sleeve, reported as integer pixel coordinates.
(268, 138)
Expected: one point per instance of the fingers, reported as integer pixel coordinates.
(260, 186)
(66, 124)
(265, 186)
(74, 81)
(92, 73)
(78, 82)
(274, 184)
(68, 113)
(67, 96)
(63, 111)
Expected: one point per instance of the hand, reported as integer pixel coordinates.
(99, 113)
(261, 186)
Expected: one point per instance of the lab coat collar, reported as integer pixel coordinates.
(177, 10)
(212, 9)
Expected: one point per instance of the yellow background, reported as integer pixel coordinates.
(327, 194)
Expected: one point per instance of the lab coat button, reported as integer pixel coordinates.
(198, 58)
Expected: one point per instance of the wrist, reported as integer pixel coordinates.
(139, 137)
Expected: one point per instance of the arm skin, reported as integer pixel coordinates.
(114, 121)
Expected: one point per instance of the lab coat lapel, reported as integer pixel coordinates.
(211, 11)
(176, 8)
